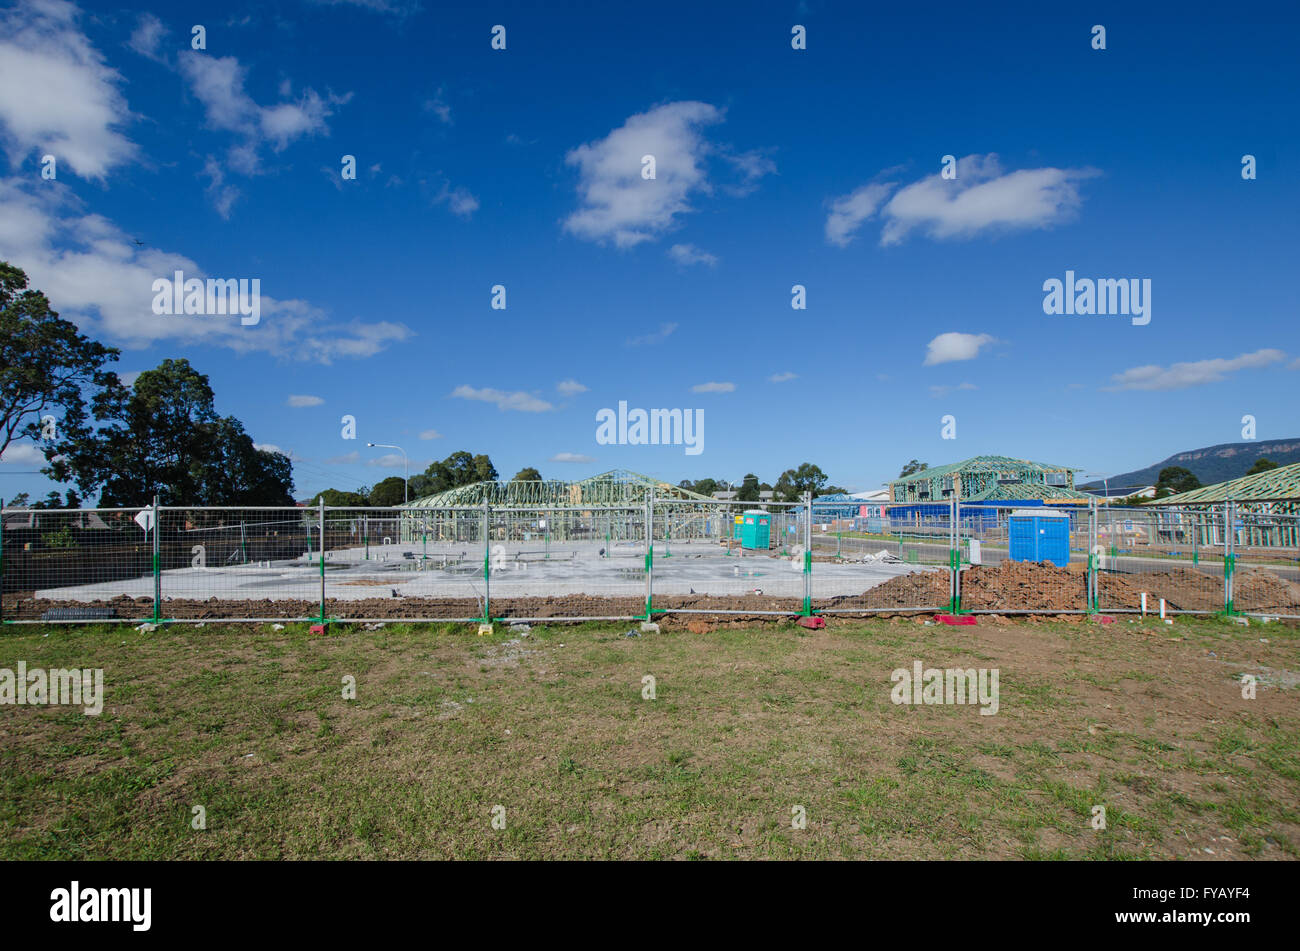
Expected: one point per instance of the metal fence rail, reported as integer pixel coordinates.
(630, 561)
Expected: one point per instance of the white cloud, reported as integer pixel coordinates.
(22, 453)
(461, 201)
(570, 387)
(128, 379)
(687, 254)
(949, 347)
(57, 94)
(944, 389)
(751, 165)
(1178, 376)
(523, 402)
(389, 460)
(399, 8)
(713, 388)
(659, 336)
(618, 205)
(97, 276)
(439, 107)
(570, 457)
(302, 399)
(1294, 364)
(222, 196)
(982, 198)
(849, 211)
(784, 377)
(430, 434)
(218, 83)
(349, 459)
(147, 37)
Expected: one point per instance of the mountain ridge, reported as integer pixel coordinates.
(1211, 464)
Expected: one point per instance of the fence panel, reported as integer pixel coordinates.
(1170, 554)
(1266, 564)
(236, 564)
(704, 562)
(567, 563)
(75, 565)
(383, 564)
(862, 565)
(1050, 576)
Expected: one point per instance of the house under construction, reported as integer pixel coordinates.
(609, 506)
(988, 479)
(1266, 507)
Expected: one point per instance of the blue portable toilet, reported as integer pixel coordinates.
(755, 530)
(1040, 534)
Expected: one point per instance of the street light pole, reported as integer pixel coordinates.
(406, 467)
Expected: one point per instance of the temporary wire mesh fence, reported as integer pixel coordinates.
(630, 561)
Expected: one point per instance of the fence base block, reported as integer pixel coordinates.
(812, 623)
(956, 620)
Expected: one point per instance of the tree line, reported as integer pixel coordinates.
(161, 435)
(460, 468)
(790, 485)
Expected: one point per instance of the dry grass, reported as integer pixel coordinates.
(1144, 719)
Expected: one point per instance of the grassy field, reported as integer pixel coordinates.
(1145, 719)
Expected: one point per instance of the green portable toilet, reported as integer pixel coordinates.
(756, 530)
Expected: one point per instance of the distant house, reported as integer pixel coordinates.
(988, 479)
(16, 519)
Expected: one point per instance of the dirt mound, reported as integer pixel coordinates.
(1023, 586)
(1190, 589)
(1008, 586)
(26, 607)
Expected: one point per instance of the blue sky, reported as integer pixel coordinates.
(521, 167)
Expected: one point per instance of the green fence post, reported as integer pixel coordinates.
(157, 568)
(1090, 579)
(321, 533)
(649, 551)
(807, 555)
(487, 563)
(954, 565)
(1229, 558)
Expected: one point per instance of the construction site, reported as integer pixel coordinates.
(621, 545)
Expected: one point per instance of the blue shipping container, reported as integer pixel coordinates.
(1040, 535)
